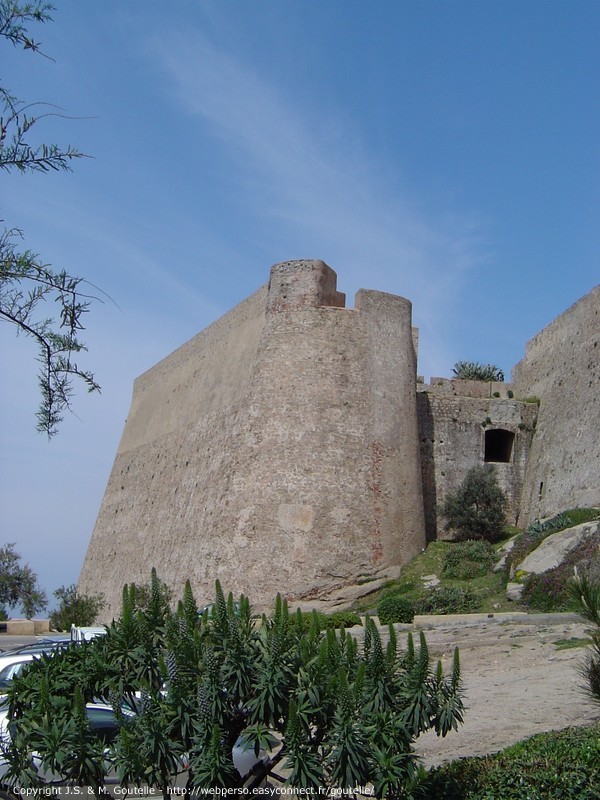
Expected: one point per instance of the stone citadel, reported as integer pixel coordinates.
(291, 447)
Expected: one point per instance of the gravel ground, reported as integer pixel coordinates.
(517, 683)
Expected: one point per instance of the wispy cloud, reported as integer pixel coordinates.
(317, 189)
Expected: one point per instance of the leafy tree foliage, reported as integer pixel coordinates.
(474, 371)
(18, 584)
(27, 284)
(477, 509)
(328, 711)
(75, 609)
(141, 594)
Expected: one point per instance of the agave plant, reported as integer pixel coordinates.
(585, 591)
(474, 371)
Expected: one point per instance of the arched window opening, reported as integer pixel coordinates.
(498, 445)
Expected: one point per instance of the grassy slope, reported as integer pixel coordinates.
(490, 588)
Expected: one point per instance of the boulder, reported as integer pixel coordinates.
(554, 549)
(514, 591)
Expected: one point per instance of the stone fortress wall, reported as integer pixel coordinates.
(277, 450)
(463, 423)
(289, 448)
(562, 367)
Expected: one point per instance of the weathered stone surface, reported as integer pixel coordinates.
(276, 451)
(562, 367)
(504, 553)
(453, 419)
(554, 548)
(514, 591)
(288, 448)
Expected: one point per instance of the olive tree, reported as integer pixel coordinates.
(477, 508)
(75, 608)
(19, 584)
(322, 709)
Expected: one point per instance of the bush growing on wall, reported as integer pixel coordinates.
(474, 371)
(345, 716)
(477, 509)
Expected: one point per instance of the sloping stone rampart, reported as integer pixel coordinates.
(562, 367)
(276, 451)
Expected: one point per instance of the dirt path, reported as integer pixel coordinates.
(516, 682)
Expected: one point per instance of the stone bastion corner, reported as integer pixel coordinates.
(277, 450)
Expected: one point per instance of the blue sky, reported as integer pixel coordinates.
(448, 152)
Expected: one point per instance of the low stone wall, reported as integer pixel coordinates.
(25, 627)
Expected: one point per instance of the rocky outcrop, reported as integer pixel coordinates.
(551, 553)
(555, 548)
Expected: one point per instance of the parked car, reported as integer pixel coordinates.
(103, 723)
(105, 726)
(12, 666)
(42, 644)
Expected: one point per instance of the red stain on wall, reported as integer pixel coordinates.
(376, 478)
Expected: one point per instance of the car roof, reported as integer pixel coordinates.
(41, 646)
(16, 658)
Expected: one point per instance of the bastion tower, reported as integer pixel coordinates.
(277, 450)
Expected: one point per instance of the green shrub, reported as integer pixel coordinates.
(322, 622)
(510, 394)
(477, 509)
(75, 609)
(580, 515)
(347, 619)
(467, 560)
(447, 600)
(393, 609)
(564, 764)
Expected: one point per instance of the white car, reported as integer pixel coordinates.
(12, 665)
